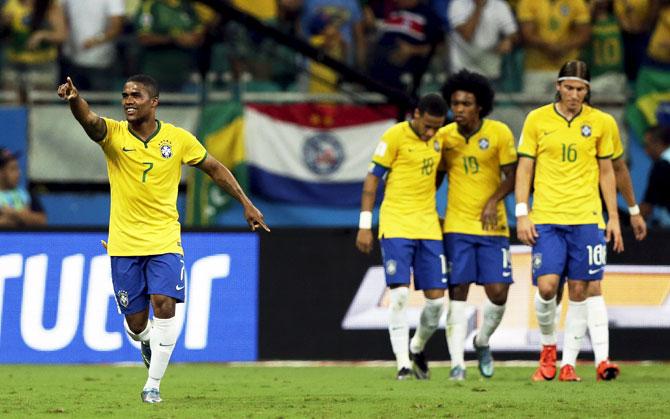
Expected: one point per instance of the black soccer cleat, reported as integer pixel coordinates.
(404, 374)
(420, 365)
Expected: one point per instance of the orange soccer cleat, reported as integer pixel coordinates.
(607, 370)
(547, 369)
(568, 374)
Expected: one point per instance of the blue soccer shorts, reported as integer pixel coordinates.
(575, 251)
(479, 259)
(424, 258)
(135, 278)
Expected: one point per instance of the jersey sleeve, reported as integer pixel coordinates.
(386, 150)
(194, 152)
(113, 129)
(604, 147)
(528, 140)
(506, 151)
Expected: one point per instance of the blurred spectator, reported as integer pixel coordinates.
(482, 32)
(553, 33)
(325, 34)
(657, 197)
(260, 9)
(604, 53)
(89, 54)
(18, 207)
(407, 38)
(169, 32)
(284, 68)
(636, 19)
(35, 29)
(659, 44)
(349, 13)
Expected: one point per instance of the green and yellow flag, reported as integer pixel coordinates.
(652, 87)
(221, 130)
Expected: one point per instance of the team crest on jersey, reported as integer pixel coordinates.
(323, 153)
(537, 261)
(436, 146)
(565, 10)
(484, 143)
(391, 267)
(122, 296)
(586, 131)
(166, 149)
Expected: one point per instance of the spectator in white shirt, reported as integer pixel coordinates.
(482, 31)
(89, 54)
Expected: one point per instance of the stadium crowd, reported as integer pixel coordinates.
(517, 44)
(409, 45)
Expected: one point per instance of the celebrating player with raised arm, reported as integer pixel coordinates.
(566, 147)
(480, 159)
(144, 159)
(409, 228)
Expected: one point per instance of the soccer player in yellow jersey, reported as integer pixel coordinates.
(144, 159)
(480, 160)
(565, 150)
(409, 228)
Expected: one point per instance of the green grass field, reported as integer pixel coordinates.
(212, 390)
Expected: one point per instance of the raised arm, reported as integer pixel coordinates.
(525, 229)
(364, 239)
(95, 127)
(608, 189)
(225, 179)
(625, 186)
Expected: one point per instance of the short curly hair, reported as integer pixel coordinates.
(474, 83)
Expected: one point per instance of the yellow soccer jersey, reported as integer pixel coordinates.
(408, 209)
(554, 21)
(566, 164)
(473, 169)
(144, 178)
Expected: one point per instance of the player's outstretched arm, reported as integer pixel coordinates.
(225, 179)
(608, 189)
(93, 125)
(525, 229)
(364, 239)
(625, 185)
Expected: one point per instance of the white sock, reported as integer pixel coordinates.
(164, 335)
(398, 328)
(492, 315)
(143, 336)
(557, 316)
(456, 330)
(598, 328)
(575, 329)
(546, 318)
(430, 318)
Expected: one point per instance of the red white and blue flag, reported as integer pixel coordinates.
(312, 153)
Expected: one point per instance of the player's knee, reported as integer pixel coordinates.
(497, 293)
(164, 306)
(136, 323)
(578, 290)
(459, 292)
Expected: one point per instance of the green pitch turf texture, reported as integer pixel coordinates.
(213, 390)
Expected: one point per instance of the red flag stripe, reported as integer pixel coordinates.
(326, 116)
